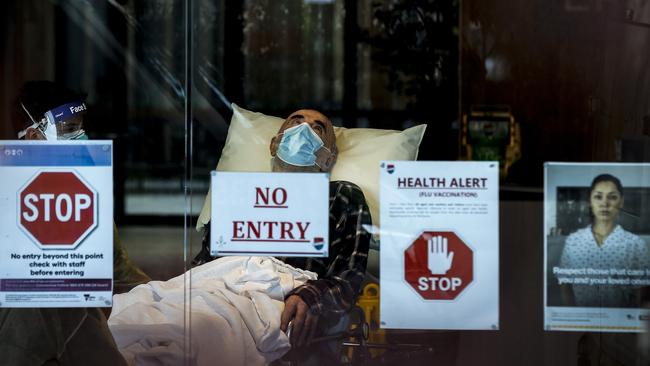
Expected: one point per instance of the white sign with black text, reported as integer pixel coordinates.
(270, 214)
(56, 220)
(439, 254)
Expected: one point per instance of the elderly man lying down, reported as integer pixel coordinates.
(316, 292)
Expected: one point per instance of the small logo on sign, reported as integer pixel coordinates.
(318, 243)
(390, 168)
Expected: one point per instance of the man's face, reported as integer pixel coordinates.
(318, 122)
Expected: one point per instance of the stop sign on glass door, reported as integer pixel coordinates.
(57, 209)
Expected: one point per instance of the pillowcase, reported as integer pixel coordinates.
(360, 152)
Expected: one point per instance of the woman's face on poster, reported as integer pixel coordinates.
(605, 201)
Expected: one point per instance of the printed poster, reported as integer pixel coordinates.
(56, 224)
(439, 256)
(596, 247)
(270, 214)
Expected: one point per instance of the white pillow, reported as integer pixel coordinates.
(360, 152)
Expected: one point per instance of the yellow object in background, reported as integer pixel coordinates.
(490, 133)
(369, 303)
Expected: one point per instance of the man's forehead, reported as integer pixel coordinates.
(310, 114)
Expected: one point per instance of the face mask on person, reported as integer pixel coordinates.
(61, 123)
(301, 146)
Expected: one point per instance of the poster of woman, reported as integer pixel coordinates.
(597, 246)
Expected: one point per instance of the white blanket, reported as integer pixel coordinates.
(234, 319)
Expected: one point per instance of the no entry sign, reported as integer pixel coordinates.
(273, 214)
(438, 265)
(57, 209)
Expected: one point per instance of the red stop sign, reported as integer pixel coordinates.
(438, 265)
(57, 209)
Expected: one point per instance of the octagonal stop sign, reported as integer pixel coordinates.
(439, 265)
(57, 209)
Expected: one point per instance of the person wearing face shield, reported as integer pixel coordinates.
(66, 336)
(50, 112)
(60, 123)
(306, 143)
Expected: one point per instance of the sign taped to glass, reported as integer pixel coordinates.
(56, 216)
(439, 245)
(596, 246)
(274, 214)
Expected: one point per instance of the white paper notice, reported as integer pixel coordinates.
(274, 214)
(439, 256)
(596, 247)
(56, 223)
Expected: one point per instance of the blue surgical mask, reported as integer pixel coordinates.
(299, 145)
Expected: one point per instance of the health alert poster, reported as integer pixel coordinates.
(270, 214)
(439, 254)
(56, 224)
(596, 247)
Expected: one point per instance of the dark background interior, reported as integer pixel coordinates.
(575, 74)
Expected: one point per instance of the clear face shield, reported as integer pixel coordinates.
(64, 122)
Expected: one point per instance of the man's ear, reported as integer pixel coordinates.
(274, 145)
(326, 163)
(333, 157)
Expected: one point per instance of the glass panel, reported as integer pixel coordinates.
(572, 76)
(377, 64)
(521, 84)
(127, 60)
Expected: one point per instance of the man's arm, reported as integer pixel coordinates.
(335, 292)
